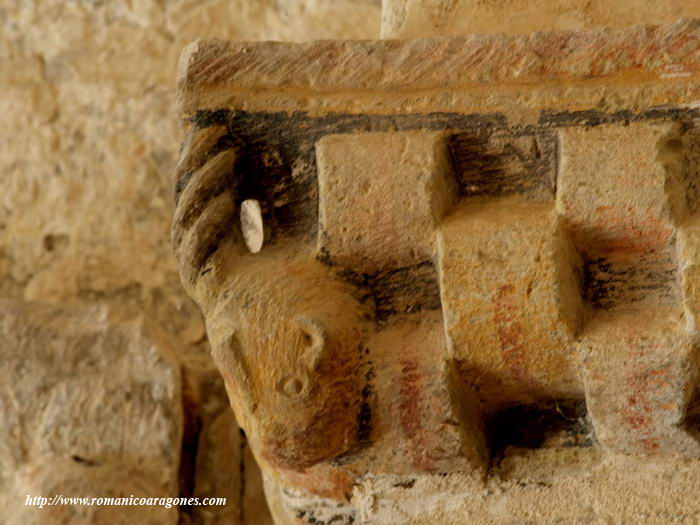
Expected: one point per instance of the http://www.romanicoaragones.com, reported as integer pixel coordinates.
(60, 499)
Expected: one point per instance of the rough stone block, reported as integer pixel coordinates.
(70, 479)
(77, 381)
(520, 75)
(617, 190)
(639, 370)
(380, 197)
(424, 420)
(511, 299)
(422, 18)
(622, 189)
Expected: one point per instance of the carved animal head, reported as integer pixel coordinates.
(286, 338)
(285, 332)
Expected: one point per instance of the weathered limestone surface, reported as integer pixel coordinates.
(421, 18)
(624, 220)
(86, 392)
(65, 476)
(86, 155)
(618, 489)
(521, 76)
(454, 338)
(600, 215)
(511, 331)
(424, 421)
(385, 190)
(294, 348)
(86, 152)
(640, 371)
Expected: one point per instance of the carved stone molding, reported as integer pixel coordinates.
(462, 263)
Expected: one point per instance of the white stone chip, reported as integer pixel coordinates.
(252, 225)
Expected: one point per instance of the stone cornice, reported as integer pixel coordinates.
(438, 74)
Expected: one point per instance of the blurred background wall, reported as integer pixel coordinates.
(88, 145)
(419, 18)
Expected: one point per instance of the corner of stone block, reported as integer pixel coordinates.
(189, 55)
(186, 58)
(468, 410)
(671, 154)
(569, 266)
(446, 188)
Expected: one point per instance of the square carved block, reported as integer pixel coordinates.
(380, 197)
(622, 191)
(618, 188)
(511, 299)
(427, 422)
(640, 371)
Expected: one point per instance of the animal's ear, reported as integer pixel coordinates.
(314, 338)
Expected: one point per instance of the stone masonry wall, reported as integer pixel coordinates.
(421, 18)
